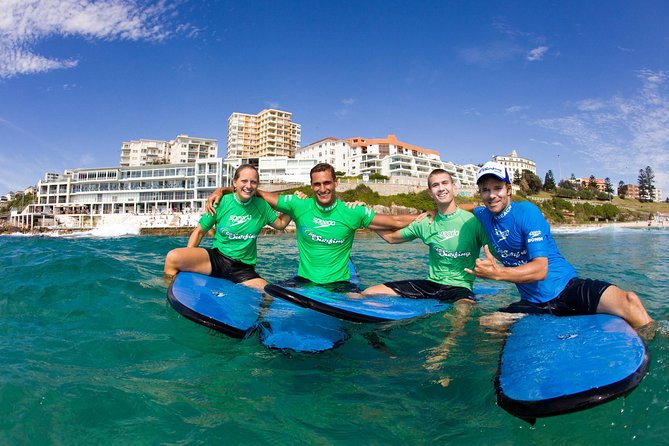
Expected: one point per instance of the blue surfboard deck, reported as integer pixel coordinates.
(554, 365)
(216, 303)
(368, 309)
(287, 326)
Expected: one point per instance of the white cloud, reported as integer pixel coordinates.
(348, 101)
(516, 109)
(494, 53)
(590, 105)
(511, 44)
(341, 113)
(25, 23)
(537, 53)
(623, 134)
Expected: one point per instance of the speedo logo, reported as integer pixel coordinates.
(238, 219)
(446, 235)
(320, 223)
(534, 236)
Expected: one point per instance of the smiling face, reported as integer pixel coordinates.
(495, 193)
(442, 191)
(323, 184)
(245, 183)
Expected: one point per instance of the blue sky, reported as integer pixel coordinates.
(578, 86)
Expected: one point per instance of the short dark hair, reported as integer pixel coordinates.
(242, 167)
(323, 167)
(437, 172)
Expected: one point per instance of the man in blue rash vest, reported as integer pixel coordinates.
(521, 240)
(325, 226)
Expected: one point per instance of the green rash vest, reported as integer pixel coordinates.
(455, 242)
(324, 236)
(238, 224)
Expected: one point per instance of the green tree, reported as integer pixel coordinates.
(530, 182)
(646, 184)
(622, 189)
(650, 181)
(643, 188)
(517, 178)
(566, 184)
(592, 183)
(549, 181)
(608, 187)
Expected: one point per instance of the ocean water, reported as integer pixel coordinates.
(92, 353)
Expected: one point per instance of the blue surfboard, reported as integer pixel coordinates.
(287, 326)
(555, 365)
(367, 309)
(216, 303)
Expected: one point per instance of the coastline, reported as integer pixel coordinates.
(184, 231)
(653, 224)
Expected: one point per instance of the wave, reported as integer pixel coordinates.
(110, 230)
(577, 229)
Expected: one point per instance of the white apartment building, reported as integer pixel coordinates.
(269, 133)
(274, 169)
(137, 189)
(334, 151)
(386, 156)
(515, 164)
(183, 149)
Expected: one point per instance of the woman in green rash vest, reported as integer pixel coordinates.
(238, 219)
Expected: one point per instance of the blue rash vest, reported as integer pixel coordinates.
(519, 234)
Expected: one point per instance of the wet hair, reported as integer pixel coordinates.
(323, 167)
(437, 172)
(242, 167)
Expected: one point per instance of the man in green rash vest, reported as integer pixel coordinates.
(325, 226)
(455, 238)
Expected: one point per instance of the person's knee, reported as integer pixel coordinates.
(636, 312)
(172, 261)
(631, 300)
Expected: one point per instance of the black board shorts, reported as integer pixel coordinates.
(335, 287)
(579, 297)
(426, 289)
(224, 267)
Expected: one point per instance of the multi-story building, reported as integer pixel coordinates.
(273, 169)
(269, 133)
(634, 192)
(137, 189)
(384, 156)
(183, 149)
(334, 151)
(600, 184)
(515, 164)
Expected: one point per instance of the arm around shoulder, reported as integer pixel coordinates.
(391, 222)
(281, 221)
(391, 236)
(272, 198)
